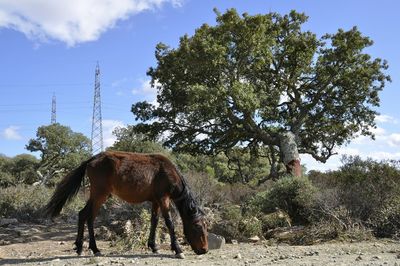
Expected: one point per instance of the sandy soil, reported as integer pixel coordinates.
(32, 244)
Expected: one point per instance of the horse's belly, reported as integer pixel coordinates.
(133, 192)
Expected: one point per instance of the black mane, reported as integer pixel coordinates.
(186, 203)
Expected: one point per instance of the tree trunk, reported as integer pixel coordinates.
(290, 153)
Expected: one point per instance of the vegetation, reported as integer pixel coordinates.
(61, 150)
(262, 81)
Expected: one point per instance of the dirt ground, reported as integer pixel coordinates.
(32, 244)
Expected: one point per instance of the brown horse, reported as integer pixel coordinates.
(134, 178)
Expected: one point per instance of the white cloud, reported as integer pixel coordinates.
(108, 127)
(385, 119)
(146, 91)
(11, 133)
(145, 88)
(72, 21)
(394, 140)
(382, 155)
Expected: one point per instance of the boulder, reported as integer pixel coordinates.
(215, 241)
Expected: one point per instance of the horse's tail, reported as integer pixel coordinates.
(66, 190)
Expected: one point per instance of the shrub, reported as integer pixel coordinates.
(134, 233)
(295, 196)
(206, 190)
(362, 193)
(249, 227)
(275, 220)
(386, 221)
(234, 225)
(26, 202)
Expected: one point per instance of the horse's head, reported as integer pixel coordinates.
(193, 218)
(196, 234)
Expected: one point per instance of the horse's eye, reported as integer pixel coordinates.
(198, 226)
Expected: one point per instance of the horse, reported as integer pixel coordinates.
(135, 178)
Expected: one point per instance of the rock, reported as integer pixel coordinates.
(4, 242)
(128, 228)
(180, 256)
(234, 242)
(359, 258)
(254, 239)
(8, 221)
(311, 253)
(238, 256)
(215, 241)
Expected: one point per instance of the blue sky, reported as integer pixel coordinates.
(51, 47)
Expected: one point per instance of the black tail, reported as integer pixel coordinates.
(66, 190)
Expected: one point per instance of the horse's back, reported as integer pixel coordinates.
(133, 177)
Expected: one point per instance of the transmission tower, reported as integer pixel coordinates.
(97, 126)
(53, 109)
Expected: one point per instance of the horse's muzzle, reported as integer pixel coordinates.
(201, 251)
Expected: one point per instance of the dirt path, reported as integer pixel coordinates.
(25, 244)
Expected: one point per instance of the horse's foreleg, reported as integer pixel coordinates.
(92, 215)
(170, 225)
(151, 243)
(83, 216)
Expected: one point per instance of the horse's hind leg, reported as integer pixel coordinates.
(170, 225)
(95, 206)
(151, 243)
(83, 216)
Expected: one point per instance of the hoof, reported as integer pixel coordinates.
(156, 251)
(78, 251)
(98, 254)
(180, 256)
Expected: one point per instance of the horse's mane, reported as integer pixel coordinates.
(186, 203)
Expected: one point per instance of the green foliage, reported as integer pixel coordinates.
(128, 140)
(275, 220)
(61, 150)
(135, 232)
(295, 196)
(26, 202)
(19, 169)
(235, 225)
(249, 227)
(237, 165)
(361, 193)
(251, 78)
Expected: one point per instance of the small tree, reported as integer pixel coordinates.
(263, 81)
(128, 140)
(61, 149)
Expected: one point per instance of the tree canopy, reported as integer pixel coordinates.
(61, 149)
(251, 79)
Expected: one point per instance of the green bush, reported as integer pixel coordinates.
(275, 220)
(386, 221)
(294, 195)
(249, 227)
(234, 225)
(134, 232)
(367, 190)
(26, 202)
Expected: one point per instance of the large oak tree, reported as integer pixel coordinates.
(263, 80)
